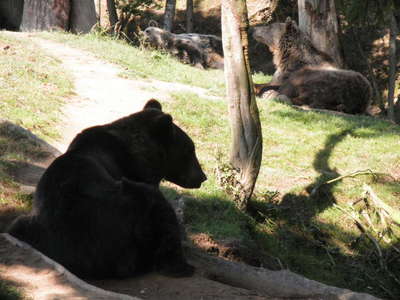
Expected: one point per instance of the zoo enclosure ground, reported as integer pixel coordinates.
(300, 148)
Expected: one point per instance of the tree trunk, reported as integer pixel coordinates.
(83, 16)
(11, 14)
(318, 19)
(392, 67)
(112, 13)
(246, 149)
(45, 15)
(189, 16)
(169, 15)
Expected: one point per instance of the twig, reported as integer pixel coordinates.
(353, 174)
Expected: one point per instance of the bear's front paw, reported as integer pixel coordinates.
(182, 269)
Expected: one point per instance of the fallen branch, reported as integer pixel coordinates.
(284, 284)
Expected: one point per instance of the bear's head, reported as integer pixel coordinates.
(158, 37)
(271, 35)
(181, 164)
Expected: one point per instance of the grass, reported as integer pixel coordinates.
(32, 86)
(306, 232)
(32, 89)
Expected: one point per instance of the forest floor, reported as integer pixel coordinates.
(101, 96)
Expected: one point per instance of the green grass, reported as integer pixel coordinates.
(32, 89)
(32, 86)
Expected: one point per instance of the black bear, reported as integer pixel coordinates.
(308, 76)
(98, 209)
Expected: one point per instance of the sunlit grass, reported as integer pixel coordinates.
(32, 86)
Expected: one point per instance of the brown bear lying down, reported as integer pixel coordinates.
(308, 76)
(200, 50)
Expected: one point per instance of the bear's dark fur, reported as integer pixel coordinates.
(200, 50)
(309, 76)
(98, 209)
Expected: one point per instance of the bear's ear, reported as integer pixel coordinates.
(162, 126)
(153, 104)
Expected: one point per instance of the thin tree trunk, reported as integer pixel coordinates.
(169, 15)
(112, 13)
(246, 150)
(189, 16)
(318, 19)
(392, 67)
(83, 15)
(45, 15)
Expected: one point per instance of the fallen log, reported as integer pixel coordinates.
(281, 284)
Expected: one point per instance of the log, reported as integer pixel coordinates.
(282, 284)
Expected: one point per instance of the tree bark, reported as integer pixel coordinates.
(169, 15)
(45, 15)
(246, 149)
(392, 67)
(11, 14)
(83, 16)
(112, 13)
(318, 19)
(189, 16)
